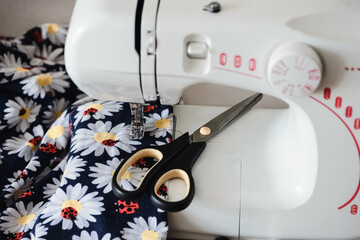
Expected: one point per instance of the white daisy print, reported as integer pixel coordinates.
(51, 188)
(17, 188)
(59, 132)
(29, 50)
(33, 164)
(25, 145)
(45, 84)
(100, 137)
(84, 235)
(20, 219)
(140, 229)
(55, 33)
(75, 206)
(103, 174)
(159, 125)
(97, 110)
(21, 113)
(72, 169)
(55, 111)
(38, 233)
(48, 56)
(132, 178)
(11, 66)
(14, 178)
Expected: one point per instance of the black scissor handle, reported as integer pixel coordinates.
(162, 153)
(179, 168)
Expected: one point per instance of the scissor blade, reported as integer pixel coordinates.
(218, 123)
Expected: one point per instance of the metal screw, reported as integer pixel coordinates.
(213, 7)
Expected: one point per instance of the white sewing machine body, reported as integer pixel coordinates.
(289, 173)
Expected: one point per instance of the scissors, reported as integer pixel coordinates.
(175, 160)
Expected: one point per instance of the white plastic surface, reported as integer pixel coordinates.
(245, 166)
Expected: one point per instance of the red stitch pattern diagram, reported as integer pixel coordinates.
(348, 113)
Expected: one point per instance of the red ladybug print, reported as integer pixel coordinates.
(69, 213)
(35, 141)
(22, 174)
(162, 191)
(48, 148)
(15, 236)
(90, 111)
(38, 37)
(141, 163)
(70, 127)
(27, 194)
(109, 142)
(148, 108)
(126, 207)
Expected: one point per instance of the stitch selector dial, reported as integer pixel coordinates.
(294, 70)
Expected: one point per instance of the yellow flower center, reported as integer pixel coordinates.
(31, 145)
(102, 136)
(56, 131)
(75, 204)
(58, 114)
(149, 235)
(126, 175)
(52, 28)
(24, 113)
(21, 69)
(62, 177)
(25, 219)
(112, 173)
(163, 123)
(44, 80)
(96, 106)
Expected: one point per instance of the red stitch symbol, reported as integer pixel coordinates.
(338, 102)
(348, 112)
(314, 74)
(354, 209)
(327, 93)
(357, 124)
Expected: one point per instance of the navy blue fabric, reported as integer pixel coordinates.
(59, 149)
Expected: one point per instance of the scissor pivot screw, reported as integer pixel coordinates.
(205, 131)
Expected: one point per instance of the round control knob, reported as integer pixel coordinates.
(294, 70)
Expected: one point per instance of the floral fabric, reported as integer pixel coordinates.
(60, 148)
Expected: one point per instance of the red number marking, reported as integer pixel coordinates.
(237, 61)
(223, 59)
(252, 64)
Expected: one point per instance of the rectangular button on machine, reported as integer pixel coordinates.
(197, 50)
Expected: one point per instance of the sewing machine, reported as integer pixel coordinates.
(289, 173)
